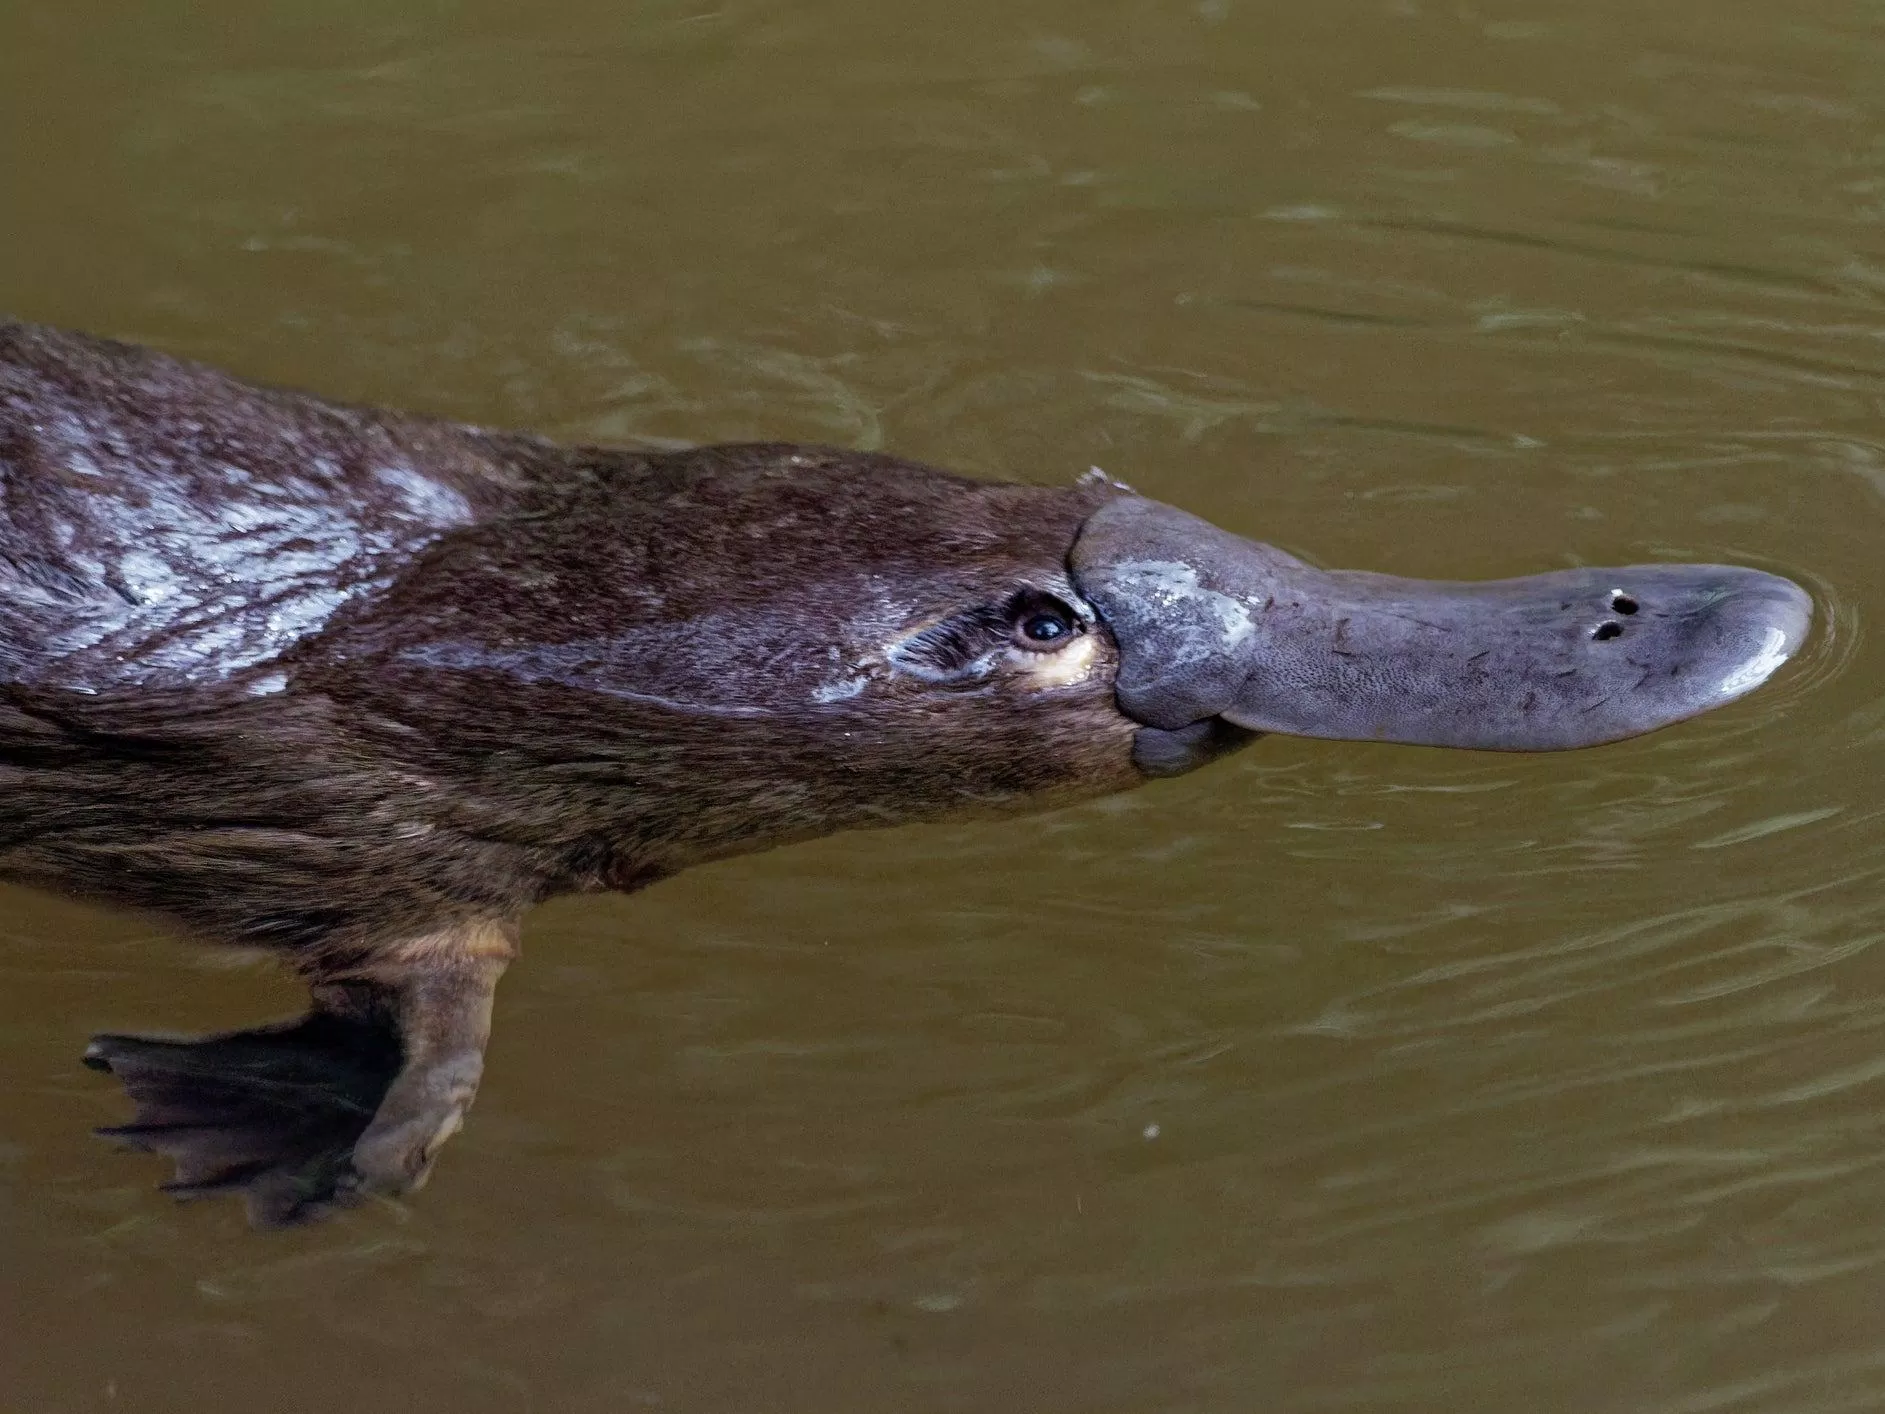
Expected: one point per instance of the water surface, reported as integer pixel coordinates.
(1337, 1077)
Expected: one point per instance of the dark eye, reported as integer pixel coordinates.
(1044, 624)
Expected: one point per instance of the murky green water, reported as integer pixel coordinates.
(1334, 1078)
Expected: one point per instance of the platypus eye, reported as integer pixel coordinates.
(1045, 626)
(1042, 622)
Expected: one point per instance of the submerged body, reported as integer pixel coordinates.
(363, 688)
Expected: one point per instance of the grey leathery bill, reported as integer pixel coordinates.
(1210, 624)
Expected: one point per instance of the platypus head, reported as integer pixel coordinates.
(737, 646)
(1201, 639)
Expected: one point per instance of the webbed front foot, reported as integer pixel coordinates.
(354, 1099)
(272, 1113)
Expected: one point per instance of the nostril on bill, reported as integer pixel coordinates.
(1605, 631)
(1622, 603)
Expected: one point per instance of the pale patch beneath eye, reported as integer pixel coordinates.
(1070, 665)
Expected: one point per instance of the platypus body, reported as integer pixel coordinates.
(362, 688)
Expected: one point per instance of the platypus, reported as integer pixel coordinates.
(361, 688)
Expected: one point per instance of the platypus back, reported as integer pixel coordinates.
(161, 522)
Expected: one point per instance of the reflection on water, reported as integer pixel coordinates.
(1333, 1077)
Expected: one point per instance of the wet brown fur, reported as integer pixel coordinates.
(385, 790)
(560, 669)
